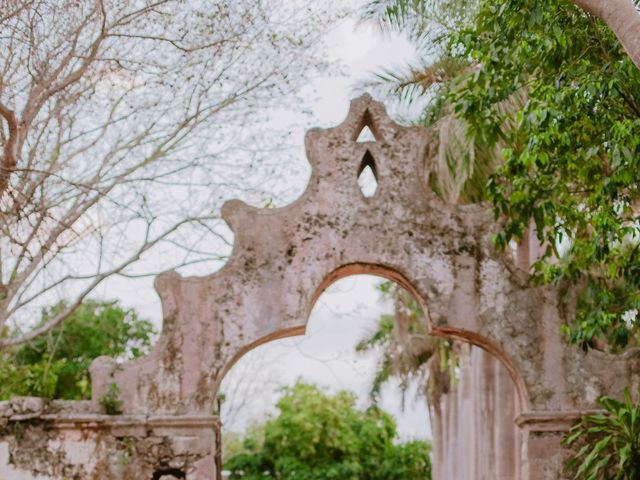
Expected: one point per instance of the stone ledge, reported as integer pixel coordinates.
(20, 407)
(102, 420)
(126, 425)
(552, 421)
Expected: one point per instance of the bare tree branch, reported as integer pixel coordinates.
(122, 128)
(95, 281)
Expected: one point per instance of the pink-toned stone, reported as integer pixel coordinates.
(284, 258)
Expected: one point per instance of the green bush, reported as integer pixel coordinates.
(322, 437)
(608, 444)
(56, 365)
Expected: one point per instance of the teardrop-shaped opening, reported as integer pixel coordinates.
(367, 130)
(368, 176)
(366, 135)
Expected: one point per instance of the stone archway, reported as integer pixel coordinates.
(283, 258)
(386, 273)
(472, 406)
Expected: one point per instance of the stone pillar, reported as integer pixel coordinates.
(476, 437)
(436, 409)
(543, 456)
(507, 441)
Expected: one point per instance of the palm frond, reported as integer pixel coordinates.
(408, 351)
(411, 82)
(419, 17)
(420, 89)
(461, 163)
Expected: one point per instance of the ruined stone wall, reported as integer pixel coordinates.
(475, 435)
(68, 440)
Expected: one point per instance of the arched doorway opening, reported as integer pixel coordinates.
(470, 395)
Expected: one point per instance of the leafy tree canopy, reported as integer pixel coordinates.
(56, 365)
(320, 437)
(572, 151)
(540, 116)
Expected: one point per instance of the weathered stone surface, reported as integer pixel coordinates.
(27, 406)
(92, 446)
(282, 260)
(5, 409)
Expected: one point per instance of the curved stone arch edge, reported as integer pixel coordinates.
(386, 272)
(363, 111)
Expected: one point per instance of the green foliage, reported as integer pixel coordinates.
(322, 437)
(128, 450)
(235, 443)
(110, 401)
(18, 431)
(572, 152)
(407, 350)
(544, 121)
(56, 365)
(609, 443)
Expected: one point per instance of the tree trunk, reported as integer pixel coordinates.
(622, 17)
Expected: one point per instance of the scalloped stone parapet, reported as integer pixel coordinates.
(284, 258)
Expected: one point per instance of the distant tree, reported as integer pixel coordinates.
(243, 386)
(56, 365)
(321, 437)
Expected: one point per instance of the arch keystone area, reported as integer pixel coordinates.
(282, 260)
